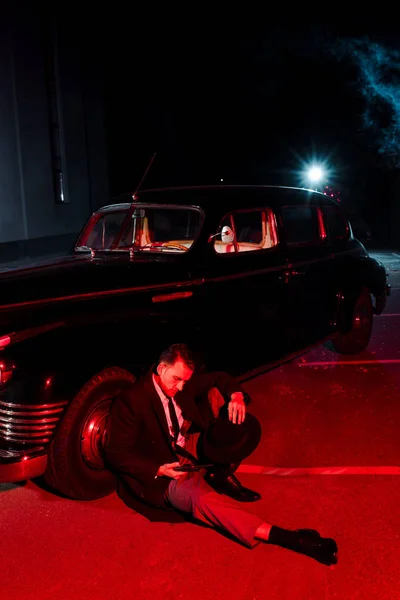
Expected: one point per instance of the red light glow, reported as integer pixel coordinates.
(4, 341)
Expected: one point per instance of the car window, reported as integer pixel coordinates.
(248, 227)
(105, 230)
(246, 231)
(300, 224)
(159, 229)
(335, 223)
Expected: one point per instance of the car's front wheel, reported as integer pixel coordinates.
(357, 338)
(75, 465)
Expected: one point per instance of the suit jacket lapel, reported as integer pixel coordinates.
(157, 405)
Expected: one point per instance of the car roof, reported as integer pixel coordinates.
(229, 197)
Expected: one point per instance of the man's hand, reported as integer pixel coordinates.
(237, 408)
(168, 470)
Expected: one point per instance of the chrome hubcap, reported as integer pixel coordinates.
(93, 435)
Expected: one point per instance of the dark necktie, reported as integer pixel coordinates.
(175, 432)
(174, 419)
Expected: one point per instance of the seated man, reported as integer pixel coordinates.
(152, 426)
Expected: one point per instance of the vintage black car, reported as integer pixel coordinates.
(247, 275)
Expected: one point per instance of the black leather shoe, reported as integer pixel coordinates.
(324, 550)
(231, 486)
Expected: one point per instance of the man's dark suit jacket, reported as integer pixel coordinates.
(138, 440)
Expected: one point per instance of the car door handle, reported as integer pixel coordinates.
(173, 296)
(288, 274)
(285, 276)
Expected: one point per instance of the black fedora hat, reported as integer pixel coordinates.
(224, 442)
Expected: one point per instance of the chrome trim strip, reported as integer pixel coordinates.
(11, 438)
(172, 296)
(15, 454)
(26, 432)
(34, 406)
(42, 429)
(23, 469)
(37, 413)
(104, 293)
(12, 414)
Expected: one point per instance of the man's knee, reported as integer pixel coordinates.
(202, 494)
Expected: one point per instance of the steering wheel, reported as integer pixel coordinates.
(174, 245)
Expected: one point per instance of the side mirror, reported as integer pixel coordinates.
(227, 235)
(212, 236)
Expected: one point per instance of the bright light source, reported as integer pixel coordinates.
(315, 174)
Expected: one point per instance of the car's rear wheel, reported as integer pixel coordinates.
(75, 465)
(357, 338)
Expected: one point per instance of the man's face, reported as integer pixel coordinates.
(173, 377)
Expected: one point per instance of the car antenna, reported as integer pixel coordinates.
(144, 175)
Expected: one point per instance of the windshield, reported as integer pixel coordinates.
(150, 229)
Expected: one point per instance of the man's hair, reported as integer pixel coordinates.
(177, 352)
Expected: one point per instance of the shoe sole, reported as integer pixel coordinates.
(329, 563)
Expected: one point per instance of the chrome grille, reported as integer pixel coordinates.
(29, 423)
(18, 454)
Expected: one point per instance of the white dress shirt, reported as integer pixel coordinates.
(164, 400)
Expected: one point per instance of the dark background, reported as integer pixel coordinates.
(244, 106)
(248, 98)
(254, 105)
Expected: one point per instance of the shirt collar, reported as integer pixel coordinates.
(159, 391)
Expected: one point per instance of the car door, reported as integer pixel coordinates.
(143, 280)
(309, 272)
(243, 288)
(345, 250)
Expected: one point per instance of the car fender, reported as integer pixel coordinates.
(370, 274)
